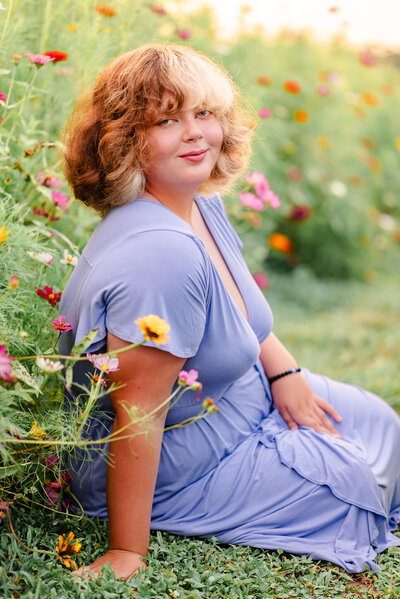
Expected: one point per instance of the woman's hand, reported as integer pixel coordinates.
(123, 563)
(299, 406)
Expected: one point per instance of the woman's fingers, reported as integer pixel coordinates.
(329, 409)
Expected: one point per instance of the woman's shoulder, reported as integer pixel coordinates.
(141, 227)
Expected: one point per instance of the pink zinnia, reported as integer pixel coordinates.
(49, 180)
(261, 279)
(249, 200)
(264, 113)
(60, 325)
(104, 363)
(60, 200)
(5, 364)
(38, 59)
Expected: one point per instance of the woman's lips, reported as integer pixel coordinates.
(194, 156)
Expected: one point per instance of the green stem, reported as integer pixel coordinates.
(10, 3)
(80, 358)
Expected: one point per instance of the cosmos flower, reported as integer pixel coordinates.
(49, 294)
(60, 200)
(187, 378)
(49, 180)
(366, 58)
(104, 363)
(5, 364)
(68, 259)
(43, 257)
(264, 113)
(153, 328)
(3, 97)
(250, 200)
(48, 365)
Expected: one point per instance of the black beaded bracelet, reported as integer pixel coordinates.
(282, 374)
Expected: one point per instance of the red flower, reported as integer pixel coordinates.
(300, 212)
(292, 87)
(49, 294)
(56, 55)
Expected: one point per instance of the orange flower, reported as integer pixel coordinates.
(368, 143)
(105, 10)
(56, 55)
(370, 99)
(292, 87)
(263, 80)
(397, 143)
(65, 550)
(301, 116)
(280, 243)
(323, 143)
(373, 163)
(72, 27)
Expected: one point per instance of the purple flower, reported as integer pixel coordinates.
(59, 199)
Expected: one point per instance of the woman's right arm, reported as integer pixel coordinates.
(147, 375)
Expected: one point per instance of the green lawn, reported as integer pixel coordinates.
(347, 330)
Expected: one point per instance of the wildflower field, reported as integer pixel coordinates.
(318, 211)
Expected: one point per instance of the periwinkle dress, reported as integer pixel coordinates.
(240, 475)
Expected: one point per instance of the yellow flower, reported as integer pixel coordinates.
(4, 234)
(36, 432)
(153, 328)
(72, 27)
(65, 550)
(397, 143)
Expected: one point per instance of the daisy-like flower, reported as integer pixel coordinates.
(68, 259)
(3, 97)
(56, 55)
(261, 279)
(43, 257)
(60, 200)
(96, 378)
(4, 234)
(250, 200)
(157, 9)
(66, 549)
(292, 87)
(49, 180)
(49, 294)
(105, 10)
(104, 363)
(187, 378)
(13, 282)
(48, 365)
(38, 59)
(36, 432)
(60, 325)
(153, 328)
(280, 243)
(5, 364)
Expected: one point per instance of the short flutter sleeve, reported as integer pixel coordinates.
(162, 273)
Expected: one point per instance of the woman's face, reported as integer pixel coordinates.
(186, 148)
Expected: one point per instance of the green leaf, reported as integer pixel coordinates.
(8, 471)
(23, 375)
(86, 342)
(4, 71)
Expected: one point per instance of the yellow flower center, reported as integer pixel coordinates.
(51, 295)
(105, 367)
(69, 259)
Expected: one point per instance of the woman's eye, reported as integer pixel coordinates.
(164, 122)
(203, 113)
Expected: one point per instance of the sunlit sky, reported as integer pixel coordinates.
(375, 22)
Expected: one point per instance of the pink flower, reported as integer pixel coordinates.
(59, 199)
(3, 97)
(323, 90)
(272, 199)
(264, 113)
(60, 325)
(51, 462)
(157, 9)
(367, 59)
(294, 174)
(38, 59)
(5, 364)
(261, 279)
(255, 177)
(104, 363)
(188, 378)
(300, 212)
(49, 180)
(54, 490)
(184, 34)
(249, 200)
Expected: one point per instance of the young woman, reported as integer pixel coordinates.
(292, 459)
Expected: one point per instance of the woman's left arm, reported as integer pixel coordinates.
(292, 395)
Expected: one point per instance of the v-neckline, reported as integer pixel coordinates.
(198, 201)
(213, 233)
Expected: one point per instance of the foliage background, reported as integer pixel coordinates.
(342, 165)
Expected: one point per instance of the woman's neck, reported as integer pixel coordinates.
(182, 205)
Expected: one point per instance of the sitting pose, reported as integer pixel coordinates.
(292, 459)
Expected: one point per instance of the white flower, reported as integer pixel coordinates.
(48, 365)
(338, 189)
(43, 257)
(68, 259)
(387, 222)
(1, 6)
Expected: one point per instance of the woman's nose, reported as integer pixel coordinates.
(192, 130)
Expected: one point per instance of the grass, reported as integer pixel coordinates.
(347, 330)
